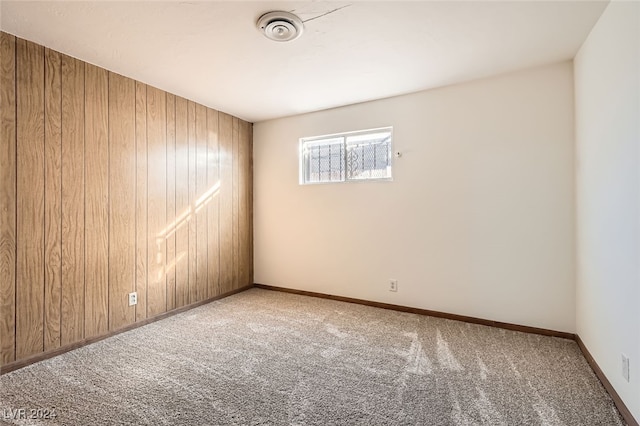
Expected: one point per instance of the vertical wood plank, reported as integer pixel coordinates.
(243, 203)
(191, 125)
(251, 275)
(182, 204)
(96, 201)
(53, 199)
(201, 204)
(7, 198)
(141, 200)
(73, 180)
(170, 224)
(30, 199)
(122, 200)
(213, 183)
(236, 203)
(225, 126)
(157, 200)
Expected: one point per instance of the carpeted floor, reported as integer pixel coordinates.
(270, 358)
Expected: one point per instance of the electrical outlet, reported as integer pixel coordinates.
(133, 298)
(625, 367)
(393, 285)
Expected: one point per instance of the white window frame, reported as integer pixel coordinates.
(315, 140)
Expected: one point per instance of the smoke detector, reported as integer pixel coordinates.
(280, 26)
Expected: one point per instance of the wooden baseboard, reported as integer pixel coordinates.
(622, 408)
(427, 312)
(58, 351)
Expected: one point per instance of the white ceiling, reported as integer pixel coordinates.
(212, 53)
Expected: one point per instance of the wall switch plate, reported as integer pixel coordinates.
(625, 367)
(393, 285)
(133, 298)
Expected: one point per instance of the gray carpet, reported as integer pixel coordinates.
(269, 358)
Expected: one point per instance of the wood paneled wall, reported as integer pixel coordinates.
(109, 186)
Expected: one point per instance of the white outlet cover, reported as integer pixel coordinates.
(133, 298)
(625, 367)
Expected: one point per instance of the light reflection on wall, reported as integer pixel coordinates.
(180, 220)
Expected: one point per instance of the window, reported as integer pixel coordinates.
(353, 156)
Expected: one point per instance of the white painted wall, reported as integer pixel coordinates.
(607, 90)
(478, 221)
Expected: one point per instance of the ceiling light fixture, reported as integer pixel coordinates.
(280, 26)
